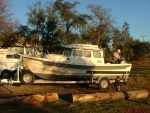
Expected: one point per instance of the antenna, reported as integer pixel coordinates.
(143, 38)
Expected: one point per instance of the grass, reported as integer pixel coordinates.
(120, 106)
(139, 79)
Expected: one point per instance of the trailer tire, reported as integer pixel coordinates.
(27, 78)
(103, 83)
(6, 74)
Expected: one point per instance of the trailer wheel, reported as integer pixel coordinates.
(27, 78)
(6, 74)
(104, 83)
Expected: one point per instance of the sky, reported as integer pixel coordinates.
(134, 12)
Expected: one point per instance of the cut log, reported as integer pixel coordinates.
(131, 95)
(33, 99)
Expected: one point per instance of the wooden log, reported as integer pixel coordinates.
(137, 94)
(32, 99)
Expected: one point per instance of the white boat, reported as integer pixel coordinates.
(75, 62)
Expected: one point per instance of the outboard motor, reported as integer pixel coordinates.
(123, 61)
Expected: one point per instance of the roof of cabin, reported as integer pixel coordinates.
(82, 46)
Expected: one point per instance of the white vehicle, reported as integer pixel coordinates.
(10, 61)
(80, 62)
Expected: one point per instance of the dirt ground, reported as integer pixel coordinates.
(61, 89)
(65, 92)
(18, 89)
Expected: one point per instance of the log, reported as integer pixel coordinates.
(131, 95)
(32, 99)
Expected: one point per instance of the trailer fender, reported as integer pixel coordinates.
(6, 74)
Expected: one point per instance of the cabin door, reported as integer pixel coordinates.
(67, 55)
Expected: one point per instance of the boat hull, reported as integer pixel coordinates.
(46, 69)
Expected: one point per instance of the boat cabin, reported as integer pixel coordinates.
(80, 54)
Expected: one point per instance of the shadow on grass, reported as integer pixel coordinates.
(66, 97)
(21, 108)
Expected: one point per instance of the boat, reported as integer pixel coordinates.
(74, 62)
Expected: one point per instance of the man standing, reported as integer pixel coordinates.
(117, 84)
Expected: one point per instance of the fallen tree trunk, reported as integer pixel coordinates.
(131, 95)
(32, 99)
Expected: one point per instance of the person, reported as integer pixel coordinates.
(117, 84)
(116, 57)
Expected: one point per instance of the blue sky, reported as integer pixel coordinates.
(134, 12)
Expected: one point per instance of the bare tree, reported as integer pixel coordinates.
(7, 24)
(102, 22)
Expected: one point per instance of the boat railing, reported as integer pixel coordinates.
(39, 53)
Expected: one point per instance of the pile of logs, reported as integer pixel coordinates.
(52, 97)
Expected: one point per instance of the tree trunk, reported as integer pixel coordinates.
(131, 95)
(33, 99)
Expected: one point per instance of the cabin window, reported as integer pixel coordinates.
(96, 54)
(86, 53)
(60, 51)
(77, 53)
(15, 56)
(67, 52)
(9, 56)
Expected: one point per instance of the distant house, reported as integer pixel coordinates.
(18, 45)
(29, 48)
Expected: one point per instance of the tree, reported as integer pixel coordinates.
(117, 39)
(7, 24)
(55, 23)
(139, 50)
(125, 31)
(127, 41)
(102, 25)
(121, 39)
(127, 49)
(70, 20)
(42, 22)
(24, 31)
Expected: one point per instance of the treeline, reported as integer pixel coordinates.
(59, 22)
